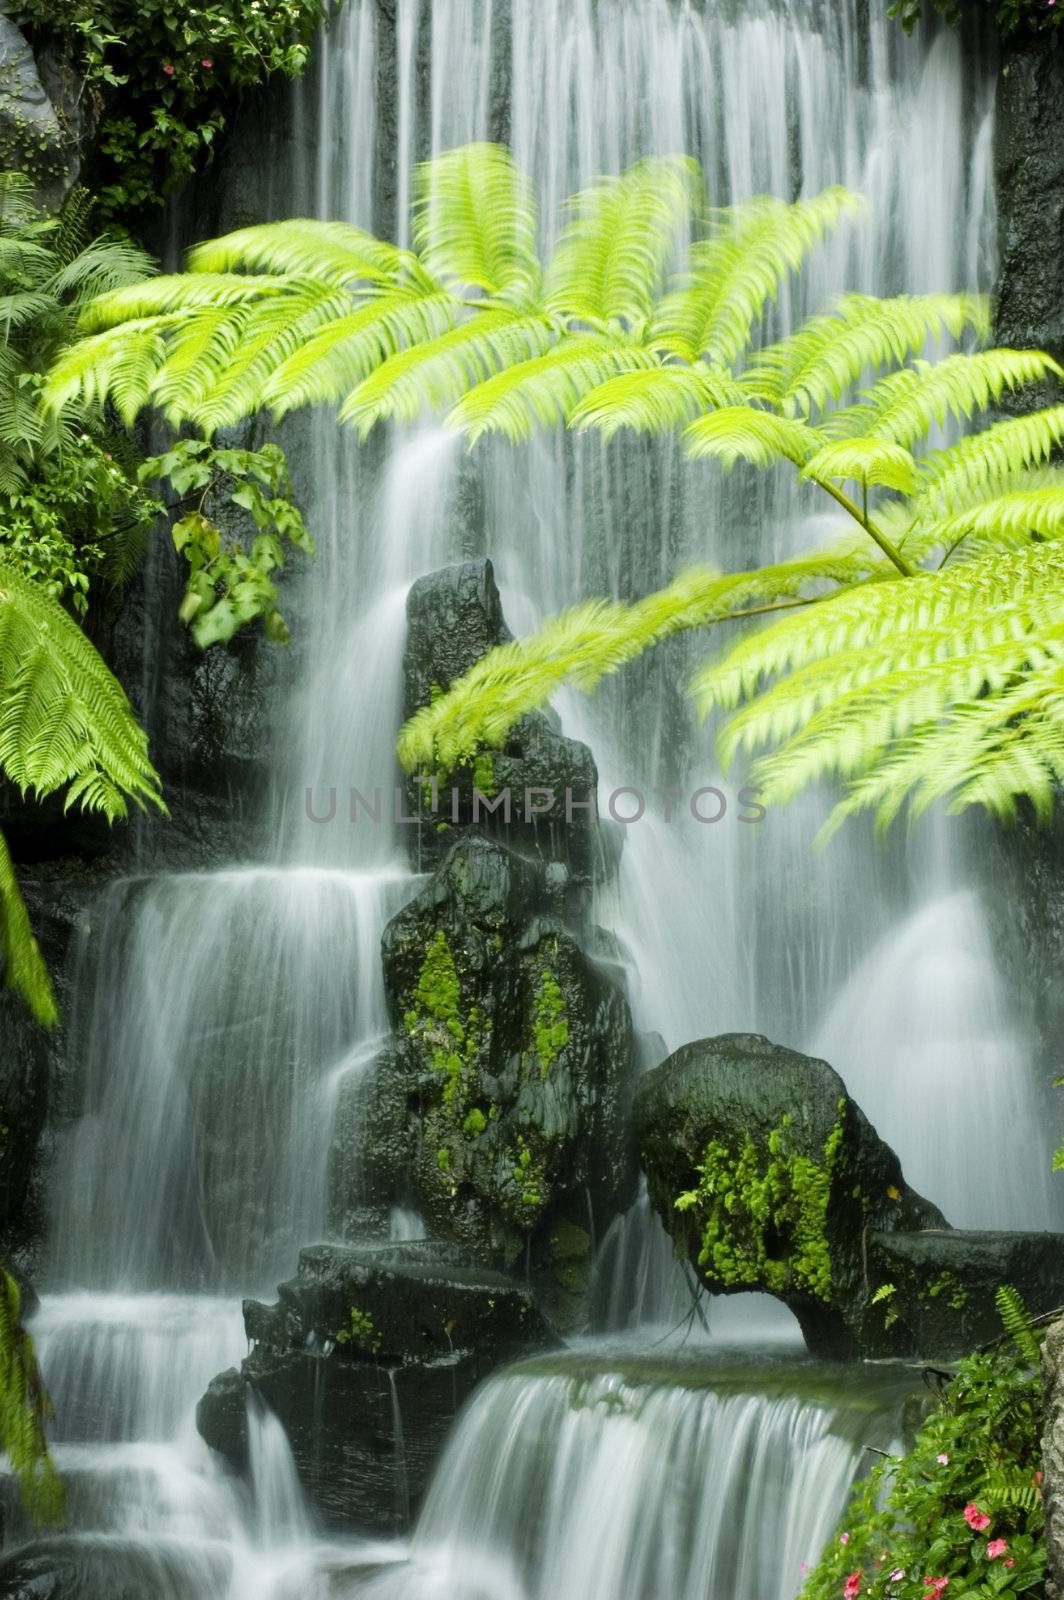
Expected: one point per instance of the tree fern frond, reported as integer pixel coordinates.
(437, 373)
(543, 392)
(186, 293)
(119, 364)
(828, 354)
(331, 362)
(609, 261)
(47, 663)
(475, 221)
(904, 405)
(597, 638)
(330, 252)
(866, 460)
(737, 272)
(655, 399)
(981, 462)
(742, 433)
(25, 1408)
(106, 265)
(23, 965)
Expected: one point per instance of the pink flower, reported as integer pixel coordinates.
(852, 1587)
(977, 1520)
(1009, 1561)
(934, 1587)
(844, 1538)
(943, 1459)
(897, 1575)
(169, 70)
(207, 63)
(995, 1548)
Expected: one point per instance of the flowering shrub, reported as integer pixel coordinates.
(961, 1514)
(164, 75)
(1009, 15)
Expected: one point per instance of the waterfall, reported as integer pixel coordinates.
(217, 1012)
(587, 1484)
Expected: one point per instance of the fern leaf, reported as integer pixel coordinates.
(543, 392)
(655, 399)
(475, 221)
(742, 433)
(25, 1409)
(737, 273)
(612, 254)
(981, 462)
(437, 373)
(329, 252)
(828, 354)
(23, 965)
(867, 461)
(904, 405)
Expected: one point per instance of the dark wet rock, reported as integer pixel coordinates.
(1053, 1456)
(944, 1283)
(365, 1359)
(534, 793)
(785, 1179)
(501, 1107)
(90, 1568)
(1029, 172)
(31, 132)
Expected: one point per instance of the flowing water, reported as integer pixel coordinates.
(218, 1013)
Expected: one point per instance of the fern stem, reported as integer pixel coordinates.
(890, 550)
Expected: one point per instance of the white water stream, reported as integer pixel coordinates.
(215, 1011)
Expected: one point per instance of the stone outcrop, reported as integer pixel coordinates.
(1053, 1456)
(32, 135)
(365, 1359)
(84, 1569)
(782, 1179)
(770, 1177)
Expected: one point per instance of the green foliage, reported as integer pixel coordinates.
(164, 76)
(921, 659)
(1010, 16)
(359, 1332)
(65, 724)
(436, 1018)
(25, 1409)
(229, 583)
(762, 1213)
(961, 1513)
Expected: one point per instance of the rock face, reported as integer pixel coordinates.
(1029, 172)
(780, 1179)
(1053, 1456)
(945, 1282)
(31, 134)
(83, 1569)
(365, 1359)
(499, 1113)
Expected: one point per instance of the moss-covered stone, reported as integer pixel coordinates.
(769, 1177)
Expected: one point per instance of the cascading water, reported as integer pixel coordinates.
(217, 1013)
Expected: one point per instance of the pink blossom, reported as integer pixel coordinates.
(995, 1548)
(897, 1575)
(169, 70)
(977, 1520)
(934, 1586)
(207, 63)
(844, 1538)
(1009, 1561)
(943, 1459)
(852, 1587)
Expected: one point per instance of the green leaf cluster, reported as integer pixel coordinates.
(905, 1530)
(163, 75)
(25, 1410)
(1009, 16)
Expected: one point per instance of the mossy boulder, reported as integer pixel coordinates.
(500, 1113)
(365, 1359)
(770, 1177)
